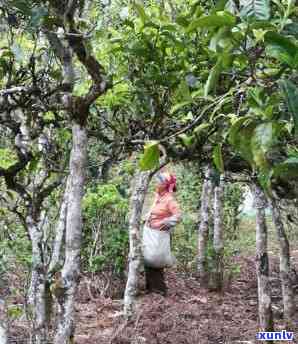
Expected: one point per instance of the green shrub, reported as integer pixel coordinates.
(106, 236)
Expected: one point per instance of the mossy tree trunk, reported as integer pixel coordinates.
(262, 261)
(140, 186)
(203, 230)
(216, 273)
(284, 266)
(73, 238)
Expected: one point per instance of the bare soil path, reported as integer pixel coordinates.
(188, 315)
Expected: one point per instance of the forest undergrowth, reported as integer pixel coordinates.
(188, 315)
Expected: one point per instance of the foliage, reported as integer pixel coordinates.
(209, 82)
(234, 197)
(106, 235)
(291, 94)
(211, 57)
(255, 9)
(114, 255)
(185, 236)
(150, 158)
(103, 198)
(7, 158)
(166, 67)
(14, 246)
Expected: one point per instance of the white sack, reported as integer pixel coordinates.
(157, 248)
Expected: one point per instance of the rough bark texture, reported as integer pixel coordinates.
(204, 228)
(66, 285)
(36, 299)
(33, 190)
(284, 265)
(37, 291)
(56, 260)
(3, 323)
(262, 262)
(141, 182)
(73, 42)
(216, 278)
(36, 223)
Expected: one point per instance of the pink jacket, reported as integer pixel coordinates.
(165, 212)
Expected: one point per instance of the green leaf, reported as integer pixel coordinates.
(49, 116)
(183, 21)
(37, 16)
(141, 12)
(150, 23)
(264, 137)
(10, 194)
(240, 137)
(231, 7)
(255, 9)
(213, 77)
(287, 169)
(7, 158)
(217, 158)
(226, 59)
(182, 93)
(264, 178)
(169, 27)
(291, 29)
(22, 5)
(220, 5)
(218, 19)
(236, 126)
(15, 312)
(33, 165)
(281, 48)
(201, 128)
(150, 159)
(186, 140)
(244, 143)
(256, 97)
(179, 106)
(221, 34)
(291, 94)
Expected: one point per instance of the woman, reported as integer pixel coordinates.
(164, 215)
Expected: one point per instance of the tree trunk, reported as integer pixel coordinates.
(262, 262)
(284, 266)
(203, 231)
(216, 277)
(56, 259)
(36, 298)
(3, 323)
(66, 285)
(141, 182)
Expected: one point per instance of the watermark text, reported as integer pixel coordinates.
(281, 335)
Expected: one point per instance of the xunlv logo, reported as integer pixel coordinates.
(282, 335)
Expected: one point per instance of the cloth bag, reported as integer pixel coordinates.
(157, 248)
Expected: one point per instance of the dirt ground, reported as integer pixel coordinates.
(188, 315)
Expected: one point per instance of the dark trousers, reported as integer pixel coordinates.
(155, 280)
